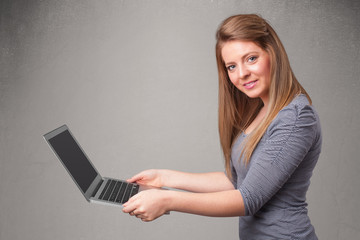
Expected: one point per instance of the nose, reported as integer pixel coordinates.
(243, 72)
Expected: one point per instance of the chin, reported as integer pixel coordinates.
(253, 95)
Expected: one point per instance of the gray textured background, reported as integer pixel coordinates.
(136, 81)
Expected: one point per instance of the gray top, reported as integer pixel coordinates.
(274, 183)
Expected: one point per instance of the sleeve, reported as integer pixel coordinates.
(286, 142)
(234, 175)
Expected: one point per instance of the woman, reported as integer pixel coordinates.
(270, 136)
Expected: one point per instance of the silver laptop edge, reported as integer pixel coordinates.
(96, 180)
(94, 186)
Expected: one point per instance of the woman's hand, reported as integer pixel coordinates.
(148, 205)
(152, 177)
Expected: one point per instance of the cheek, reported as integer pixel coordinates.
(233, 81)
(263, 70)
(267, 69)
(266, 73)
(232, 77)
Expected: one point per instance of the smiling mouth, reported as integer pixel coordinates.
(250, 84)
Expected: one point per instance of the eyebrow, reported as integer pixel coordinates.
(242, 57)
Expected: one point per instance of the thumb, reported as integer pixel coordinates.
(135, 178)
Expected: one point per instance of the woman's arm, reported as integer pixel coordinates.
(216, 204)
(194, 182)
(151, 204)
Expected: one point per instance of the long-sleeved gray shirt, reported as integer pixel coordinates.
(274, 183)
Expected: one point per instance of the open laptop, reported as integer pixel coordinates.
(94, 187)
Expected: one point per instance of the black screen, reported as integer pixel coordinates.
(74, 159)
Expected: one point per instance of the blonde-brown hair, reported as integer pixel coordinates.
(236, 110)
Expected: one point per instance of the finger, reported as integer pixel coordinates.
(131, 180)
(128, 208)
(140, 216)
(134, 213)
(132, 200)
(135, 178)
(145, 220)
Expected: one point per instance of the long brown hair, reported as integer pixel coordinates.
(236, 110)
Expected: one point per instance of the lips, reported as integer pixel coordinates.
(250, 85)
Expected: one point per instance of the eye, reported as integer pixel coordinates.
(252, 59)
(230, 68)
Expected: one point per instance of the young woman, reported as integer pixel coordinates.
(270, 136)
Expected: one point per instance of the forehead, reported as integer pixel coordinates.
(236, 48)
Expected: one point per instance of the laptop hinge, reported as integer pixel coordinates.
(97, 188)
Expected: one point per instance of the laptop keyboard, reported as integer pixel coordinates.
(118, 191)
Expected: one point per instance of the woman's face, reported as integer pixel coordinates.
(248, 67)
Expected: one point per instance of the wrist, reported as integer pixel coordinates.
(168, 200)
(163, 177)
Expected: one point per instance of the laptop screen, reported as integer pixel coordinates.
(74, 159)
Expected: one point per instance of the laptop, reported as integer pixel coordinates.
(92, 185)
